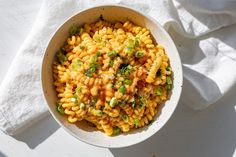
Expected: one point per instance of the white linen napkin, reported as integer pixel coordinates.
(207, 52)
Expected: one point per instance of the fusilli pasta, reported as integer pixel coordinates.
(113, 75)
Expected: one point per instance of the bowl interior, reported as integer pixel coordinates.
(83, 131)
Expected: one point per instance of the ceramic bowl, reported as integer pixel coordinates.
(83, 131)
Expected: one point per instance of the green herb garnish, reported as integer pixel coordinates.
(168, 69)
(142, 101)
(133, 104)
(139, 54)
(127, 81)
(125, 69)
(168, 80)
(131, 45)
(59, 108)
(61, 57)
(89, 72)
(75, 30)
(136, 122)
(116, 131)
(125, 117)
(98, 53)
(111, 63)
(112, 53)
(158, 91)
(168, 86)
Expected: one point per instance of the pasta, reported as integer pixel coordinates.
(113, 75)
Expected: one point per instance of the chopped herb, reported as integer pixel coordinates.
(139, 54)
(125, 69)
(112, 53)
(89, 73)
(133, 104)
(98, 53)
(168, 80)
(61, 57)
(82, 47)
(127, 81)
(93, 68)
(136, 122)
(98, 113)
(168, 86)
(76, 64)
(131, 45)
(158, 91)
(78, 89)
(125, 117)
(94, 65)
(142, 101)
(60, 108)
(111, 63)
(82, 106)
(75, 30)
(168, 69)
(122, 89)
(113, 102)
(116, 131)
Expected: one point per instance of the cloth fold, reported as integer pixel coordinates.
(206, 48)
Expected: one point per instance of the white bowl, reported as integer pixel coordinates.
(90, 134)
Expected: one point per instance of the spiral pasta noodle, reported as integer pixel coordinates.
(113, 75)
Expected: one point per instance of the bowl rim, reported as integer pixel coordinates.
(165, 33)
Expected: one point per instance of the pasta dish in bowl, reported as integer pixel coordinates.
(111, 74)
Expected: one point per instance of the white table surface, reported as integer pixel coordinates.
(207, 133)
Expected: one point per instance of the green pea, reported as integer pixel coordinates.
(122, 89)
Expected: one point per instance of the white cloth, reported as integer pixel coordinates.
(207, 52)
